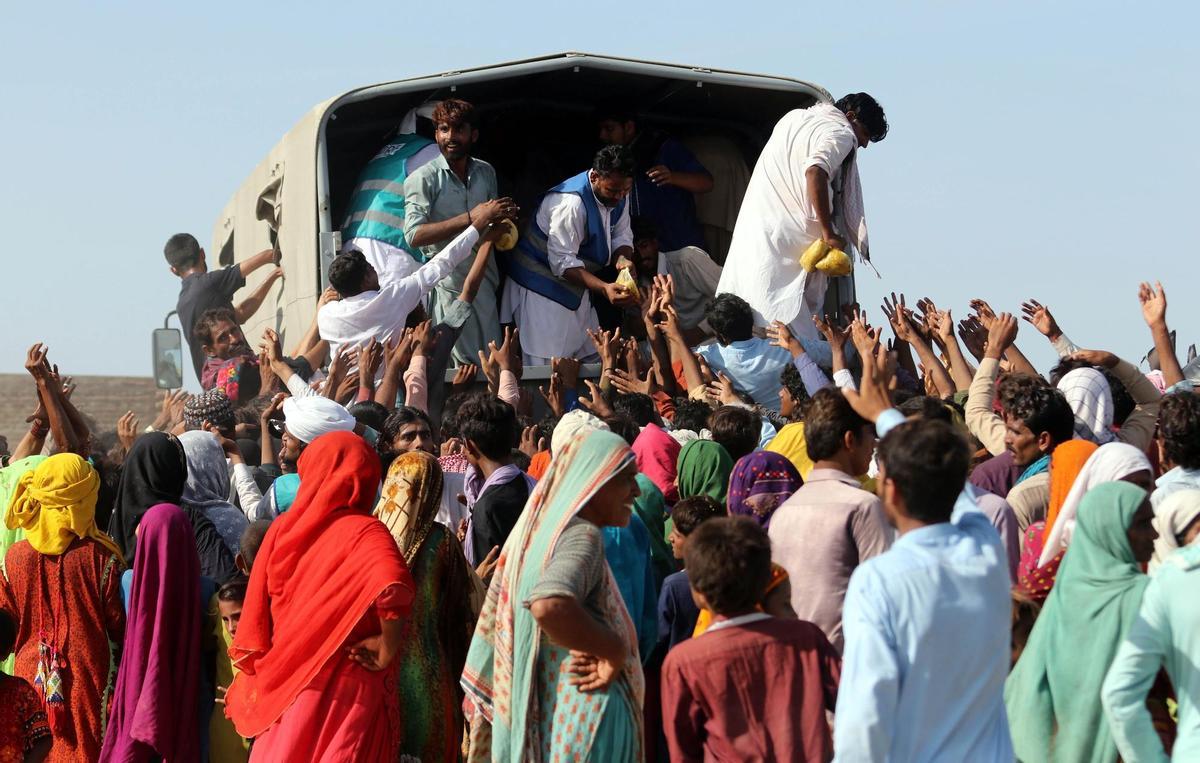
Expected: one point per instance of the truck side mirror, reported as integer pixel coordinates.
(168, 358)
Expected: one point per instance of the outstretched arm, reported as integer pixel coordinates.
(1154, 310)
(246, 309)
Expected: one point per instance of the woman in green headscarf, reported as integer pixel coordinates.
(704, 469)
(553, 670)
(651, 508)
(1053, 693)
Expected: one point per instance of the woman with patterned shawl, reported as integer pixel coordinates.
(63, 585)
(553, 671)
(438, 630)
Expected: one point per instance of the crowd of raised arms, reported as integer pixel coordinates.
(759, 533)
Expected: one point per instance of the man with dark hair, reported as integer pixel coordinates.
(200, 290)
(405, 429)
(692, 271)
(580, 228)
(805, 188)
(830, 525)
(690, 416)
(787, 671)
(496, 490)
(752, 363)
(1178, 445)
(737, 429)
(927, 623)
(668, 176)
(677, 611)
(369, 309)
(441, 200)
(638, 407)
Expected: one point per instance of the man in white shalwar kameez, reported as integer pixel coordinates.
(804, 187)
(580, 227)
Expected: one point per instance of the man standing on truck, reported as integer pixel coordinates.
(580, 227)
(201, 290)
(667, 177)
(441, 200)
(805, 187)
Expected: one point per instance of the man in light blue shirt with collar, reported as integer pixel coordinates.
(752, 363)
(927, 623)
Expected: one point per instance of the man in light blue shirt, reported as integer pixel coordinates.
(752, 363)
(1165, 633)
(926, 623)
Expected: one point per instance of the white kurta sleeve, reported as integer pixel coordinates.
(623, 233)
(831, 145)
(564, 231)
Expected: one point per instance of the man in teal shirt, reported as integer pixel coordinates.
(440, 200)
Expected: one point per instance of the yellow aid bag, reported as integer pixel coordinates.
(508, 239)
(820, 256)
(626, 279)
(813, 254)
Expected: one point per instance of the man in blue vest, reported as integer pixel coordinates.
(375, 218)
(581, 226)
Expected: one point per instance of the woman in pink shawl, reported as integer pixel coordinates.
(154, 707)
(657, 454)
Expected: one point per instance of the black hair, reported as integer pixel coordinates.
(369, 413)
(617, 111)
(643, 228)
(490, 424)
(1043, 409)
(691, 415)
(1179, 429)
(928, 462)
(546, 427)
(830, 416)
(614, 160)
(449, 425)
(690, 512)
(789, 379)
(868, 111)
(8, 632)
(730, 318)
(1015, 385)
(636, 406)
(397, 420)
(182, 251)
(347, 271)
(925, 407)
(520, 459)
(736, 429)
(234, 590)
(251, 540)
(202, 330)
(622, 425)
(729, 563)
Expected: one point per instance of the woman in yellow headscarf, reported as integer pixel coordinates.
(63, 584)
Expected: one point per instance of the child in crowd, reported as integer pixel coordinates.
(224, 742)
(753, 687)
(252, 538)
(496, 490)
(677, 612)
(24, 731)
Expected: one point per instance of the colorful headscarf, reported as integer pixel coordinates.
(505, 664)
(1109, 463)
(704, 469)
(658, 458)
(1066, 463)
(154, 710)
(412, 495)
(1174, 515)
(326, 561)
(1090, 397)
(790, 444)
(760, 483)
(56, 503)
(1053, 693)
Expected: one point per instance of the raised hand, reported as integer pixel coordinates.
(554, 395)
(1101, 358)
(532, 441)
(973, 335)
(722, 391)
(781, 336)
(568, 371)
(424, 339)
(872, 396)
(1001, 334)
(630, 383)
(1038, 315)
(984, 311)
(607, 344)
(464, 376)
(127, 430)
(1154, 303)
(594, 402)
(833, 334)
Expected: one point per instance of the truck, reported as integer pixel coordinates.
(536, 128)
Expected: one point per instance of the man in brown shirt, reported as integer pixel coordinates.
(752, 687)
(830, 525)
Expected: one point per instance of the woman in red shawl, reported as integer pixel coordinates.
(322, 619)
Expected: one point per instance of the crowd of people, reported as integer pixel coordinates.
(760, 533)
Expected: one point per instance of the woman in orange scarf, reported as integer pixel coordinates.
(322, 618)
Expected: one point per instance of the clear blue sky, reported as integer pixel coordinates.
(1035, 150)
